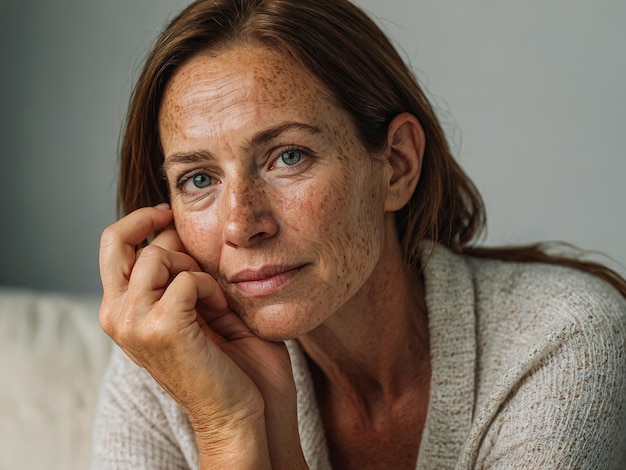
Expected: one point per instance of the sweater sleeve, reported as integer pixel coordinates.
(137, 425)
(563, 404)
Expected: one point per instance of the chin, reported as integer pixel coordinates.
(280, 322)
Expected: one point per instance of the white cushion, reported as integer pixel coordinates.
(52, 358)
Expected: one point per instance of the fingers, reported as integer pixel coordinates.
(208, 290)
(147, 322)
(134, 314)
(168, 239)
(154, 269)
(157, 288)
(118, 242)
(188, 287)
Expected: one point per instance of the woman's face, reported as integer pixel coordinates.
(272, 192)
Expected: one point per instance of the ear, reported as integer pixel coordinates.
(405, 151)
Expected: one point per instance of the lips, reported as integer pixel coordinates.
(263, 281)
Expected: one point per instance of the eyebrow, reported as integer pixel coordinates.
(259, 138)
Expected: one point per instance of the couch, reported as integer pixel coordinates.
(52, 358)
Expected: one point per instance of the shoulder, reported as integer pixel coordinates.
(512, 306)
(539, 294)
(521, 308)
(551, 364)
(510, 310)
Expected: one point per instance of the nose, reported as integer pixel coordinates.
(247, 213)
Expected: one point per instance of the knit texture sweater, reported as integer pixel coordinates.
(528, 371)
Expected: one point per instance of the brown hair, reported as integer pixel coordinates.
(344, 49)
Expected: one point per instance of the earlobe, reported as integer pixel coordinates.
(405, 151)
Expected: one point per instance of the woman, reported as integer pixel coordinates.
(309, 297)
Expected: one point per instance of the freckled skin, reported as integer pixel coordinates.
(329, 216)
(356, 309)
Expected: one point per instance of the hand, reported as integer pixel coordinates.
(173, 320)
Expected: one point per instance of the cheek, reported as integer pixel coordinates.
(200, 235)
(316, 210)
(343, 218)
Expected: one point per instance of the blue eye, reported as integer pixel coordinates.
(201, 180)
(290, 157)
(196, 183)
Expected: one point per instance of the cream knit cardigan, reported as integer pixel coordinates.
(528, 371)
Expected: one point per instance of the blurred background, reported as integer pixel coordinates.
(531, 94)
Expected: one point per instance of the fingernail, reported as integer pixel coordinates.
(164, 206)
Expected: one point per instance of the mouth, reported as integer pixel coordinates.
(264, 281)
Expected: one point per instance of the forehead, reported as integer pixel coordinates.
(243, 83)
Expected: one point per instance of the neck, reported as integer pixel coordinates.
(375, 348)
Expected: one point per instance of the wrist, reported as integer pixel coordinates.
(240, 445)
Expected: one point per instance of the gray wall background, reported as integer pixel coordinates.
(532, 95)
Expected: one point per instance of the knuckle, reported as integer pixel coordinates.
(109, 236)
(116, 320)
(186, 277)
(151, 251)
(143, 332)
(140, 325)
(125, 331)
(106, 323)
(107, 318)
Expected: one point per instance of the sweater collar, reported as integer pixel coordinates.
(451, 323)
